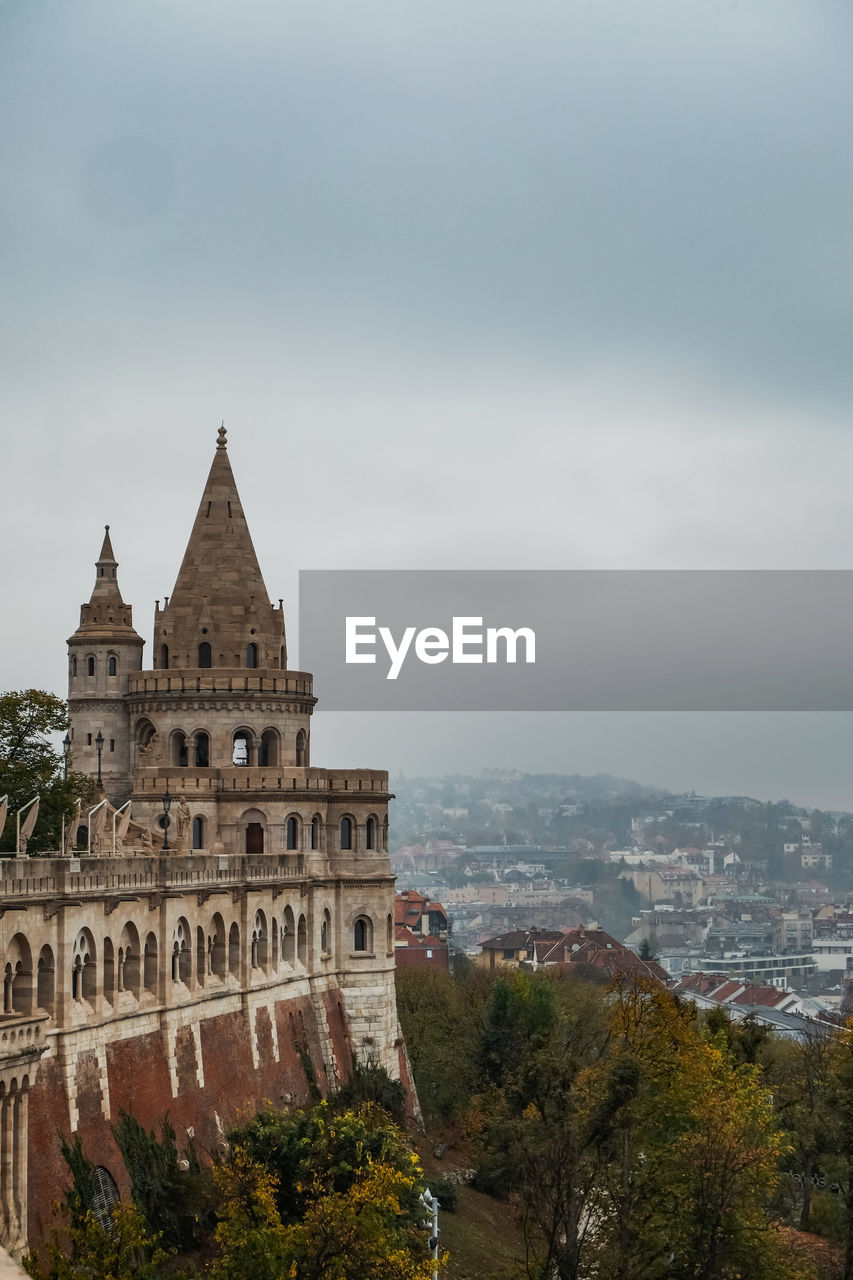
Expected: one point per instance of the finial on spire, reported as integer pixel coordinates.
(222, 436)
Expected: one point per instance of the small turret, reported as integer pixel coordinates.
(102, 653)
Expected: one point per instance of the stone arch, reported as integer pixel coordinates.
(362, 934)
(181, 953)
(253, 823)
(149, 964)
(108, 984)
(164, 657)
(370, 832)
(73, 665)
(268, 749)
(143, 734)
(90, 664)
(389, 934)
(84, 972)
(302, 941)
(18, 987)
(326, 932)
(201, 749)
(252, 655)
(292, 832)
(301, 749)
(129, 958)
(234, 950)
(316, 832)
(200, 955)
(243, 747)
(112, 664)
(347, 832)
(260, 941)
(217, 946)
(179, 752)
(198, 832)
(274, 944)
(205, 654)
(288, 936)
(46, 981)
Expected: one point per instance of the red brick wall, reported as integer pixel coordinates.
(139, 1082)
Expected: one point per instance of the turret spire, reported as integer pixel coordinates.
(219, 612)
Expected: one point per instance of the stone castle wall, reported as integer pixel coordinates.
(198, 986)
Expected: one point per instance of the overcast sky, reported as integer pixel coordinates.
(480, 285)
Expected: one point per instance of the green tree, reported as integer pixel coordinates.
(121, 1249)
(31, 765)
(300, 1149)
(366, 1230)
(172, 1200)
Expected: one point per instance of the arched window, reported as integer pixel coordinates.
(281, 658)
(149, 964)
(234, 950)
(164, 657)
(300, 749)
(181, 953)
(362, 934)
(90, 666)
(288, 936)
(217, 947)
(180, 755)
(326, 933)
(389, 934)
(251, 655)
(268, 749)
(202, 750)
(315, 831)
(109, 975)
(370, 833)
(198, 833)
(105, 1197)
(128, 960)
(292, 832)
(113, 667)
(46, 987)
(346, 833)
(204, 655)
(73, 666)
(259, 942)
(302, 940)
(242, 754)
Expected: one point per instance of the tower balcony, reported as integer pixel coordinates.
(222, 681)
(278, 782)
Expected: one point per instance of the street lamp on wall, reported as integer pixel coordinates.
(167, 804)
(99, 744)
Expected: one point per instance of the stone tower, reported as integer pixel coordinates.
(246, 958)
(102, 653)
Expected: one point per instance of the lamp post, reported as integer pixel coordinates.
(66, 753)
(99, 744)
(167, 804)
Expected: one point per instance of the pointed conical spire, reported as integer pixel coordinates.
(106, 615)
(220, 556)
(219, 596)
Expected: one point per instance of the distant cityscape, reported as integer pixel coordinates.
(730, 886)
